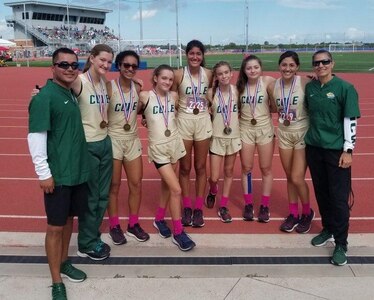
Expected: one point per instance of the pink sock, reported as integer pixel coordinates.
(294, 209)
(187, 202)
(213, 188)
(133, 219)
(265, 200)
(306, 209)
(177, 227)
(160, 214)
(113, 221)
(199, 202)
(224, 201)
(248, 199)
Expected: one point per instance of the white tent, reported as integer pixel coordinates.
(6, 43)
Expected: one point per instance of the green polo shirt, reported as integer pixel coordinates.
(328, 105)
(55, 110)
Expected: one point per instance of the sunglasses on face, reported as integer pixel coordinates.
(128, 66)
(65, 65)
(324, 62)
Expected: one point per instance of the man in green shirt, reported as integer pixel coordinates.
(59, 152)
(333, 112)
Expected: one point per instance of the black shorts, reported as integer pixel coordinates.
(65, 201)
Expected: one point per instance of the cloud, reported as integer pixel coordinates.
(354, 34)
(145, 14)
(307, 4)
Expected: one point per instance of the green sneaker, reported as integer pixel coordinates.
(59, 291)
(339, 257)
(71, 272)
(321, 239)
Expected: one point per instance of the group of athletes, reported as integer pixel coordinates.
(83, 130)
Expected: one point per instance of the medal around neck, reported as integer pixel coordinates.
(167, 132)
(227, 130)
(196, 111)
(103, 124)
(286, 122)
(253, 121)
(127, 127)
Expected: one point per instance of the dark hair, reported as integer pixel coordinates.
(197, 44)
(62, 50)
(291, 54)
(95, 51)
(214, 70)
(158, 70)
(243, 78)
(321, 52)
(121, 56)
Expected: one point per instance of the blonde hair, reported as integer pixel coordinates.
(95, 51)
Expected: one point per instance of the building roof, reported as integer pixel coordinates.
(11, 4)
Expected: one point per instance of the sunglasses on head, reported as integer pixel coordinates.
(128, 66)
(324, 62)
(65, 65)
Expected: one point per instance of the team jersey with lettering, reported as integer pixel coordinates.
(156, 122)
(118, 107)
(89, 105)
(297, 112)
(218, 119)
(261, 112)
(187, 101)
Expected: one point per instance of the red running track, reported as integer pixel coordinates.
(21, 201)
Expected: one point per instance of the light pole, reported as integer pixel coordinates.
(141, 23)
(68, 18)
(119, 27)
(179, 50)
(246, 25)
(26, 44)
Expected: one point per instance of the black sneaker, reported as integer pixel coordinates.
(305, 223)
(117, 236)
(163, 228)
(183, 241)
(210, 200)
(59, 291)
(99, 253)
(248, 213)
(198, 218)
(264, 214)
(71, 272)
(137, 232)
(187, 216)
(224, 214)
(289, 224)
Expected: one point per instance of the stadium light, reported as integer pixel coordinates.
(179, 49)
(67, 15)
(26, 44)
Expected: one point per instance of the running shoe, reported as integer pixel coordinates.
(210, 200)
(163, 228)
(264, 214)
(59, 291)
(117, 236)
(197, 218)
(71, 272)
(339, 257)
(187, 216)
(137, 232)
(100, 252)
(224, 215)
(183, 241)
(322, 239)
(248, 213)
(305, 223)
(289, 223)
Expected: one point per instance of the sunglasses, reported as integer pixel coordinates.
(128, 66)
(324, 62)
(65, 65)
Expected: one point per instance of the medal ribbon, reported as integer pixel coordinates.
(196, 93)
(165, 109)
(225, 109)
(126, 112)
(102, 100)
(253, 100)
(286, 101)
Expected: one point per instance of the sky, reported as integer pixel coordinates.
(224, 21)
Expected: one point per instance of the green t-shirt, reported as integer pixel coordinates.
(55, 110)
(328, 105)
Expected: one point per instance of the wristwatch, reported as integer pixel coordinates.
(349, 151)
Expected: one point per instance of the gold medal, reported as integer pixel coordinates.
(103, 124)
(286, 122)
(126, 127)
(227, 130)
(253, 121)
(196, 111)
(167, 132)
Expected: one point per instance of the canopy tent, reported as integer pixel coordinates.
(3, 48)
(6, 43)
